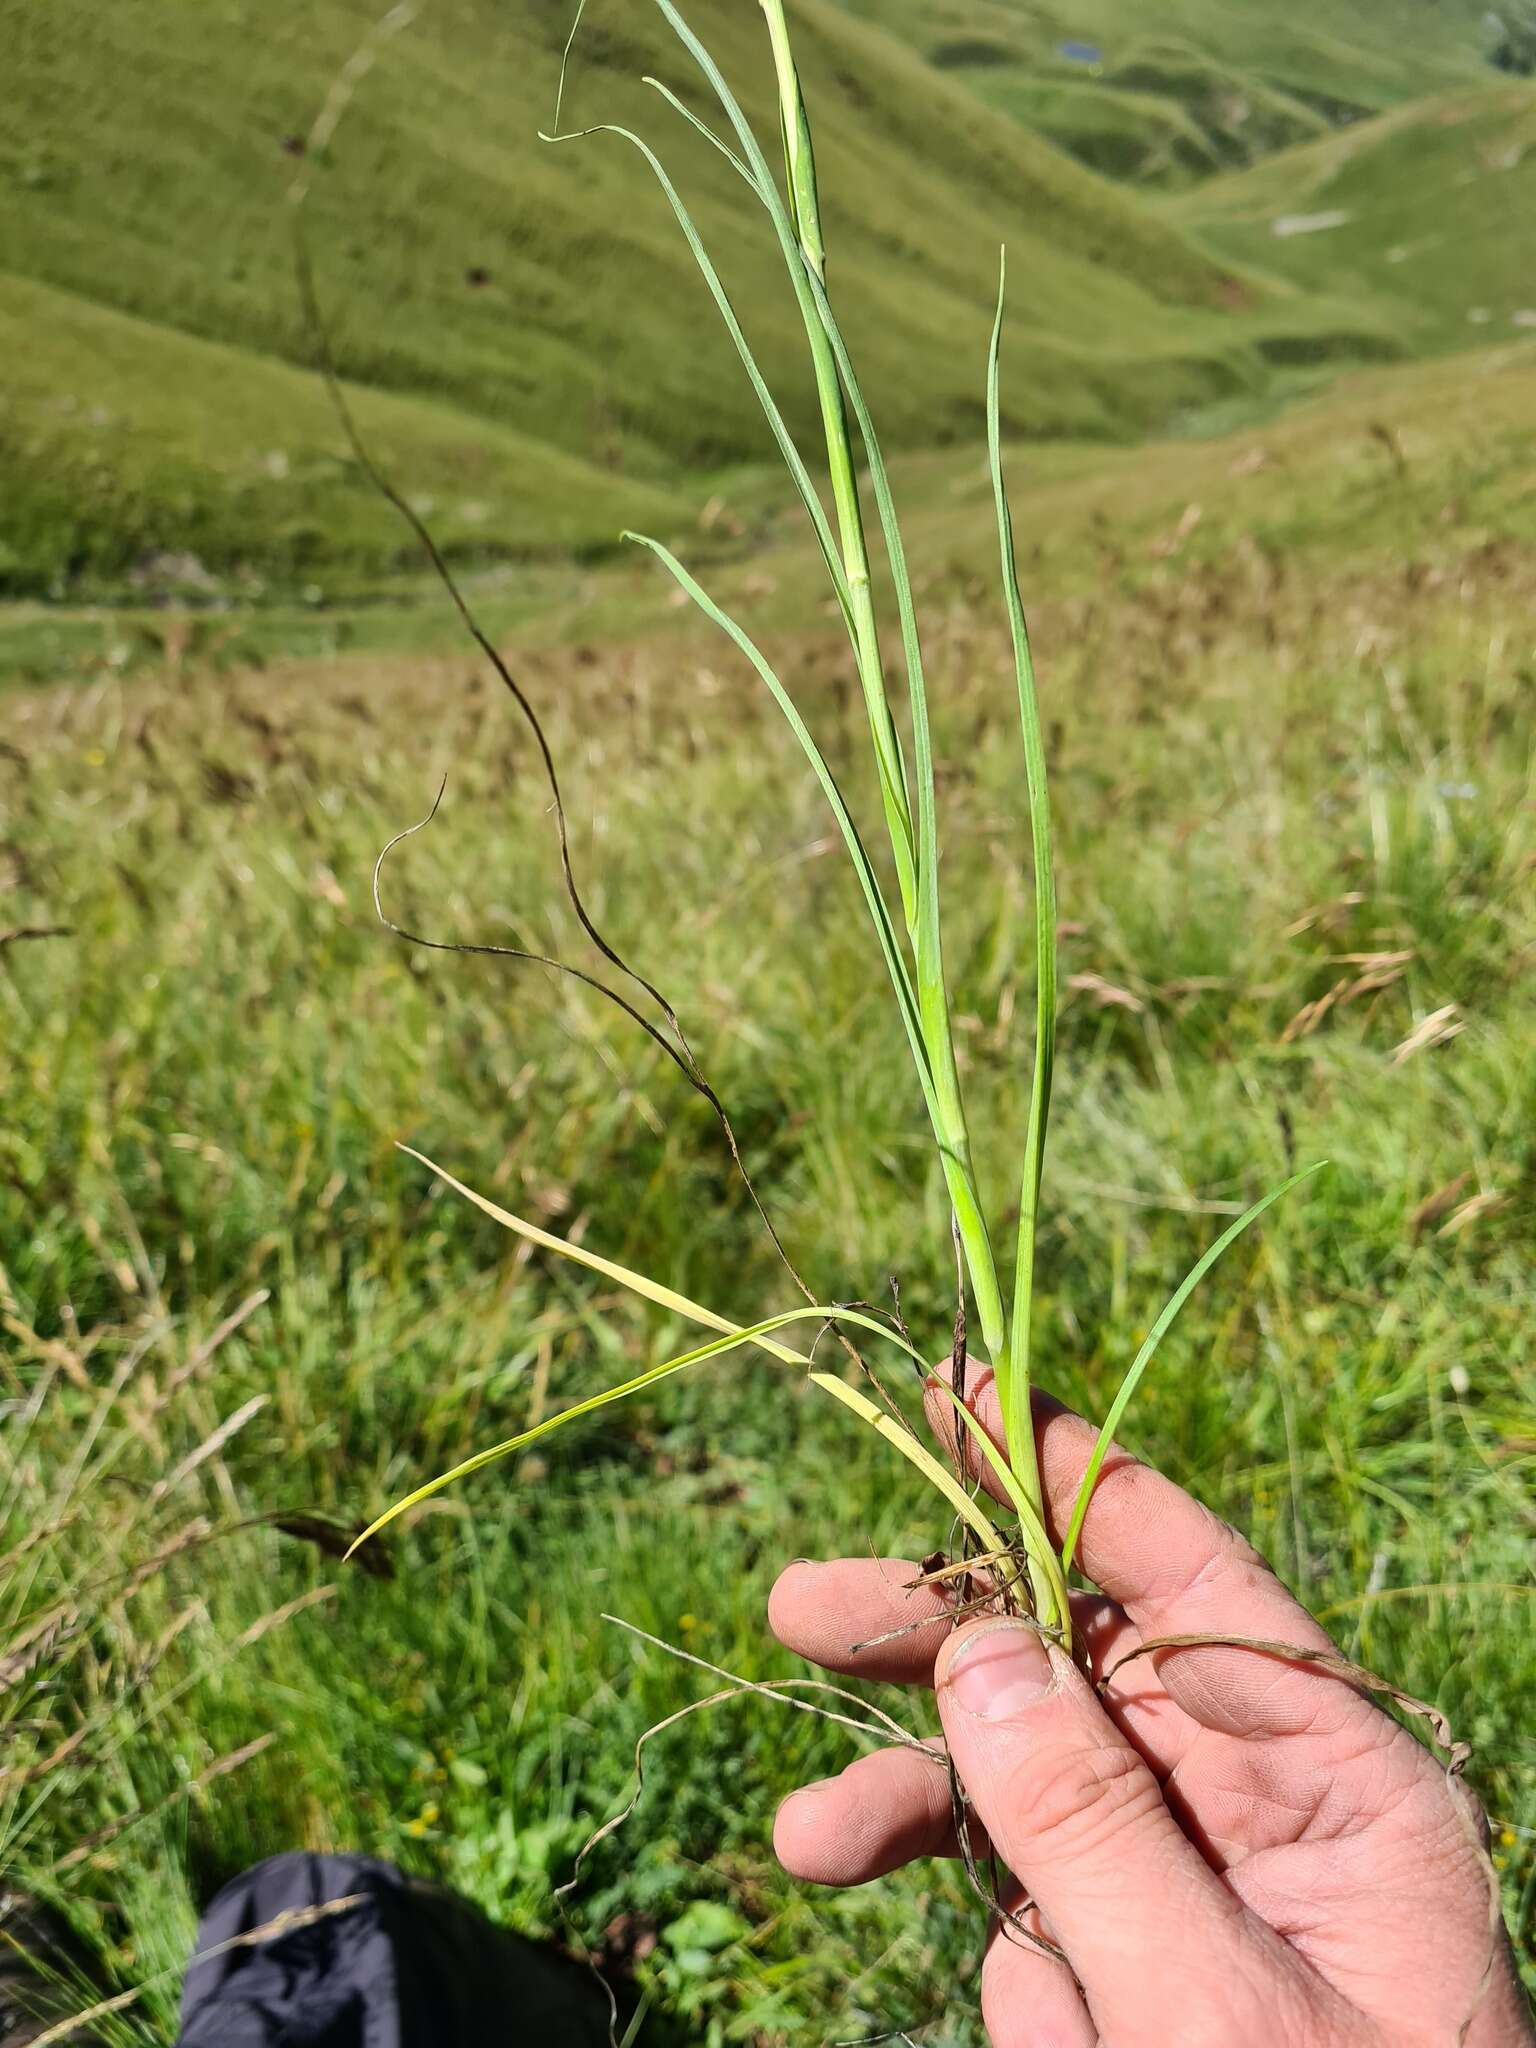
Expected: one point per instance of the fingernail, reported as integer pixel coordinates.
(999, 1671)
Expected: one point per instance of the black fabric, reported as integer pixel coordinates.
(407, 1966)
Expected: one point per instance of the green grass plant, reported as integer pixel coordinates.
(909, 936)
(1322, 616)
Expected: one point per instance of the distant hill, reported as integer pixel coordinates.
(1169, 93)
(1426, 214)
(544, 360)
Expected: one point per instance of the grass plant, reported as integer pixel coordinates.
(909, 929)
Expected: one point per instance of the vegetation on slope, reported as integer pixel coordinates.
(1205, 83)
(507, 294)
(132, 451)
(1425, 212)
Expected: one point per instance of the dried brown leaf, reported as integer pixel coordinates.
(1104, 994)
(1439, 1028)
(1488, 1203)
(1436, 1205)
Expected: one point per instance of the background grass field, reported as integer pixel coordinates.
(1288, 674)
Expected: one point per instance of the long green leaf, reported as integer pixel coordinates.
(1037, 1542)
(637, 1283)
(1013, 1385)
(950, 1123)
(845, 492)
(880, 916)
(916, 1453)
(795, 131)
(701, 128)
(951, 1126)
(809, 496)
(717, 1347)
(1145, 1355)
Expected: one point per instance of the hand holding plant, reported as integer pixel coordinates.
(907, 929)
(1227, 1848)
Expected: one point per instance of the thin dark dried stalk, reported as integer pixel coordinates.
(676, 1047)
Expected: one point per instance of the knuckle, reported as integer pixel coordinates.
(1082, 1799)
(1229, 1563)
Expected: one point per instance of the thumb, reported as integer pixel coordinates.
(1079, 1819)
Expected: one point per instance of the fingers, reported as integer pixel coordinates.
(829, 1613)
(1075, 1814)
(836, 1614)
(1177, 1569)
(1145, 1541)
(880, 1813)
(1028, 2000)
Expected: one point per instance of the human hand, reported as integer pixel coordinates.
(1231, 1849)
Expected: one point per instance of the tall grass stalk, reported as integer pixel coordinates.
(910, 934)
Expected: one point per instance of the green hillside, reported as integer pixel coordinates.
(513, 293)
(1428, 210)
(1194, 84)
(125, 438)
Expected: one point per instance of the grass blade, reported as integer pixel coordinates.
(637, 1283)
(1013, 1385)
(1155, 1337)
(732, 1340)
(933, 996)
(1037, 1541)
(800, 242)
(761, 1335)
(794, 462)
(885, 930)
(845, 492)
(916, 1454)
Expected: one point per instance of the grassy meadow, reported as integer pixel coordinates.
(1297, 820)
(1427, 211)
(1169, 95)
(1276, 532)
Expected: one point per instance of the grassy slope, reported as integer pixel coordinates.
(1312, 743)
(1207, 80)
(1157, 122)
(1437, 202)
(590, 332)
(1361, 468)
(127, 434)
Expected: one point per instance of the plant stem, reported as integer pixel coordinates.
(805, 212)
(916, 857)
(1014, 1384)
(918, 888)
